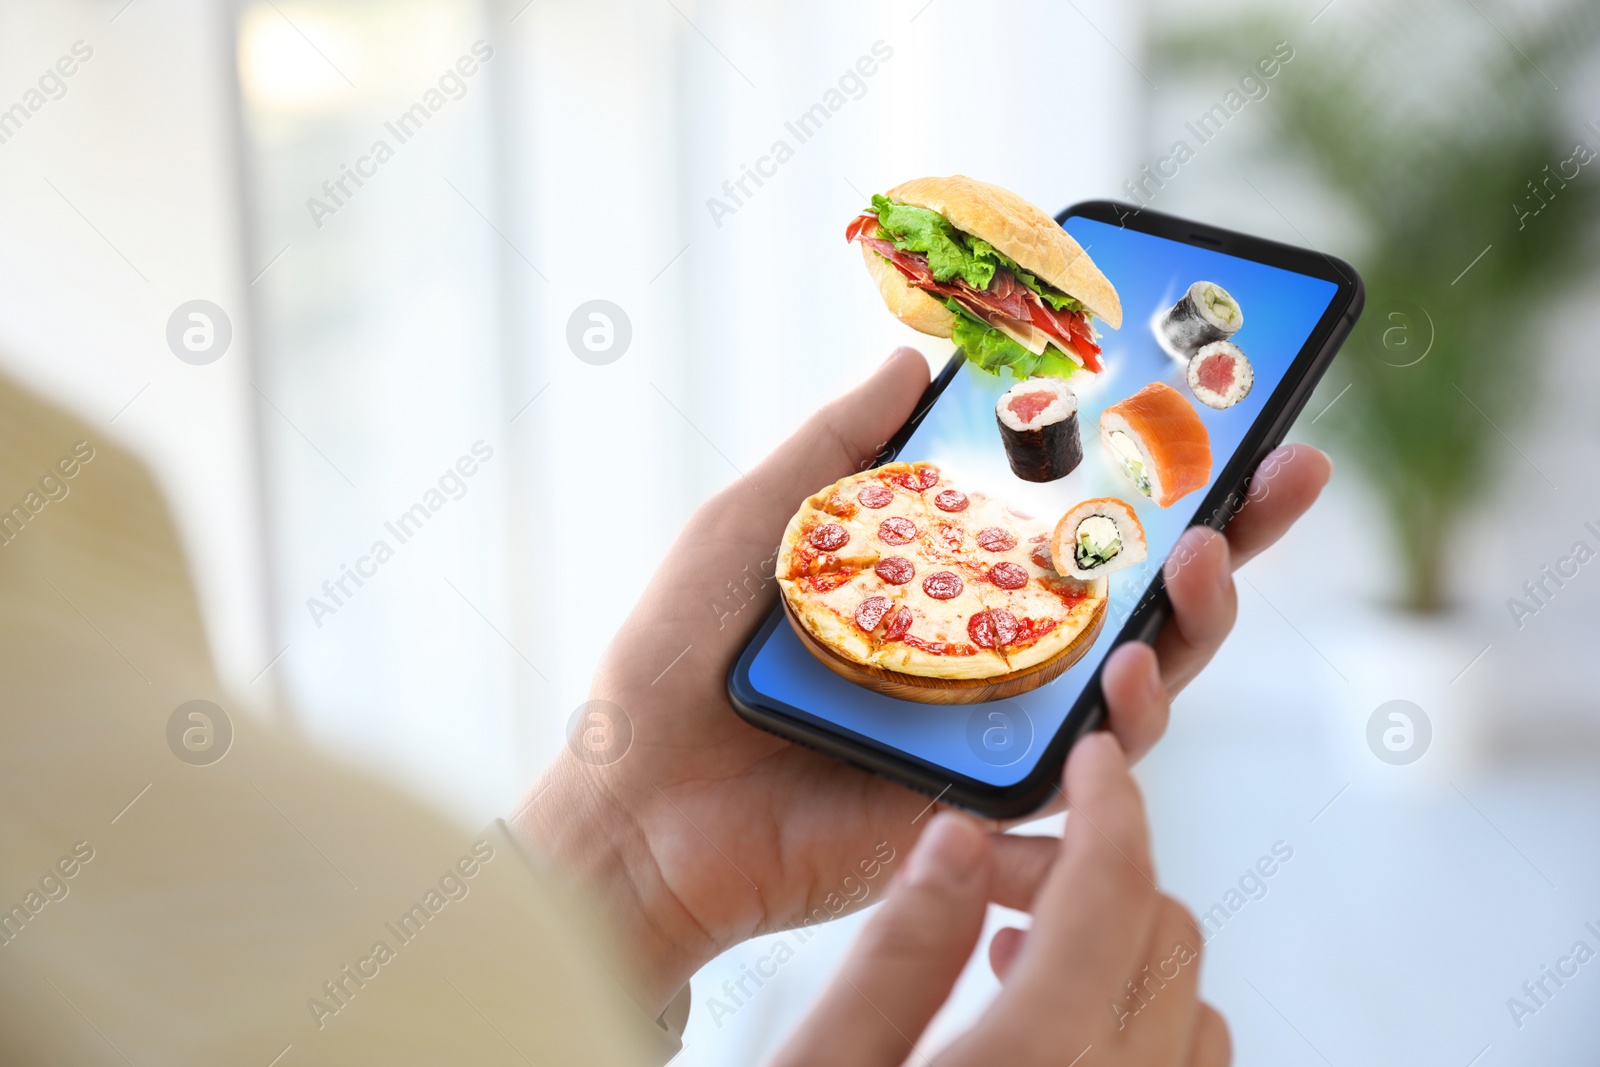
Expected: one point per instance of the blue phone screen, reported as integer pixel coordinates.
(999, 742)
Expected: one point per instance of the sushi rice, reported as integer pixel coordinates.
(1157, 441)
(1064, 406)
(1098, 537)
(1220, 375)
(1039, 428)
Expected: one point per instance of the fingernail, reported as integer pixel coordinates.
(1088, 743)
(948, 851)
(1100, 738)
(1224, 568)
(1152, 679)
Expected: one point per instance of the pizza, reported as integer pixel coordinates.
(900, 569)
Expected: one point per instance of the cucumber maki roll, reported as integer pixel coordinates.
(1039, 427)
(1205, 314)
(1096, 538)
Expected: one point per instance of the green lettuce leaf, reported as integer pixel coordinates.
(990, 350)
(952, 253)
(916, 229)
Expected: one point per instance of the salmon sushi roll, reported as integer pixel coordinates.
(1096, 538)
(1158, 442)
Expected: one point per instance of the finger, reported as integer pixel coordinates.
(1283, 488)
(1157, 1012)
(1199, 582)
(846, 434)
(1022, 862)
(1003, 949)
(907, 959)
(1094, 914)
(1213, 1047)
(1137, 704)
(1138, 708)
(730, 544)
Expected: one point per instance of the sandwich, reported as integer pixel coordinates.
(963, 259)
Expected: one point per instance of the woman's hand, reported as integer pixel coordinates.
(709, 831)
(1107, 977)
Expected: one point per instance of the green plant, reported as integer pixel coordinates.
(1430, 156)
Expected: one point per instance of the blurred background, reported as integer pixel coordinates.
(395, 309)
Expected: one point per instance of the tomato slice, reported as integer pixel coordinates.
(1069, 332)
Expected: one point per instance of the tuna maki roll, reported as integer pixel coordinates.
(1039, 427)
(1220, 375)
(1205, 314)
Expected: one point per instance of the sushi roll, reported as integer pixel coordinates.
(1039, 426)
(1096, 538)
(1205, 314)
(1157, 440)
(1220, 375)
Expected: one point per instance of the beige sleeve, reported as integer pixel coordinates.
(271, 907)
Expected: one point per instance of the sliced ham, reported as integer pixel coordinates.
(867, 223)
(1006, 305)
(1069, 330)
(1003, 296)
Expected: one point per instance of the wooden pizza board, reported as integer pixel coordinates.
(951, 690)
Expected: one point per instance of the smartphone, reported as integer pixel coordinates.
(1002, 758)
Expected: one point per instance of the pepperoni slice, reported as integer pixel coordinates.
(943, 585)
(899, 622)
(875, 496)
(829, 538)
(1041, 558)
(1006, 627)
(996, 539)
(871, 611)
(987, 627)
(951, 500)
(896, 530)
(1008, 575)
(896, 570)
(1023, 515)
(920, 478)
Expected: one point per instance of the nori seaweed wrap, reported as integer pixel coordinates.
(1206, 313)
(1039, 427)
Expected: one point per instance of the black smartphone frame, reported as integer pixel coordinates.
(1154, 608)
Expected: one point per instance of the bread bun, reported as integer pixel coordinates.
(1015, 227)
(911, 305)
